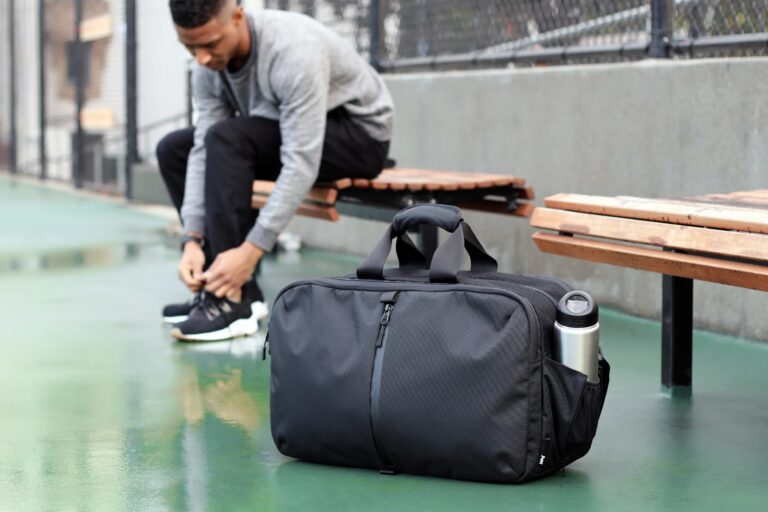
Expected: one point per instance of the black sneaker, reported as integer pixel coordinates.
(216, 319)
(177, 313)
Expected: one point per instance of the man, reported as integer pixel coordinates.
(280, 97)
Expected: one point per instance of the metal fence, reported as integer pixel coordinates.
(64, 106)
(7, 102)
(68, 81)
(406, 34)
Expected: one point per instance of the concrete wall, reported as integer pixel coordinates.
(655, 129)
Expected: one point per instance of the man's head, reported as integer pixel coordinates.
(212, 30)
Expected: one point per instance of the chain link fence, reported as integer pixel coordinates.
(351, 19)
(26, 82)
(419, 33)
(96, 66)
(6, 114)
(704, 18)
(59, 81)
(424, 29)
(73, 117)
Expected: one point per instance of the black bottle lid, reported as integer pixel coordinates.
(577, 309)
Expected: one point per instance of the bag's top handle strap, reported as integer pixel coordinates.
(447, 259)
(440, 215)
(449, 255)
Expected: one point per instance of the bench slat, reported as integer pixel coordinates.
(723, 243)
(338, 184)
(416, 174)
(442, 180)
(738, 200)
(361, 183)
(528, 193)
(318, 194)
(751, 220)
(744, 275)
(323, 196)
(306, 209)
(758, 194)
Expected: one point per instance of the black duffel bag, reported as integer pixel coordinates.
(428, 371)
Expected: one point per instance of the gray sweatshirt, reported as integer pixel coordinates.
(298, 70)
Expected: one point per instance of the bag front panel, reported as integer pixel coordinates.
(322, 345)
(455, 386)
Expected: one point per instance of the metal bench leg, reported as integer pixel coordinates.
(677, 334)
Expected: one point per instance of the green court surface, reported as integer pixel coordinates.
(100, 410)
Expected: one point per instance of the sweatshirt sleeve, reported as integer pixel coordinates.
(211, 108)
(300, 79)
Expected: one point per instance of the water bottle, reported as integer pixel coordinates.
(577, 334)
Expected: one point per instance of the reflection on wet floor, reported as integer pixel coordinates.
(220, 393)
(71, 258)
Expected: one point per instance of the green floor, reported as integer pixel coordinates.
(102, 411)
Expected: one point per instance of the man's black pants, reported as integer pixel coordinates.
(241, 150)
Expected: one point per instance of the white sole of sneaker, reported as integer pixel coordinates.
(259, 309)
(242, 327)
(175, 319)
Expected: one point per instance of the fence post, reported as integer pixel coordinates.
(42, 104)
(79, 69)
(13, 150)
(662, 12)
(131, 121)
(376, 23)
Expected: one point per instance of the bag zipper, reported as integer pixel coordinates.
(388, 299)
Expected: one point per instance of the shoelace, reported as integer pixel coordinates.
(196, 299)
(213, 306)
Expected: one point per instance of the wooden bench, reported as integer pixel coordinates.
(719, 238)
(397, 188)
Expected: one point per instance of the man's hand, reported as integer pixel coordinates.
(191, 266)
(231, 269)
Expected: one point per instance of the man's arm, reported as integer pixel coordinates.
(211, 109)
(300, 81)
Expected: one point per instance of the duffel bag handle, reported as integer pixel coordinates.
(447, 259)
(440, 215)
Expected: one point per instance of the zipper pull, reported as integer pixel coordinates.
(383, 324)
(389, 299)
(387, 314)
(264, 350)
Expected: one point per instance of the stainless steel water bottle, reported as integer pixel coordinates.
(577, 334)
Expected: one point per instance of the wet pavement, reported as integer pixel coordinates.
(101, 410)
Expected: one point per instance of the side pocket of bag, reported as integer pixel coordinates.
(584, 425)
(575, 409)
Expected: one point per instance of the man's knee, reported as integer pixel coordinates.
(174, 147)
(221, 135)
(252, 133)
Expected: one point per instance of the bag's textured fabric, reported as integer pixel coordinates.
(449, 379)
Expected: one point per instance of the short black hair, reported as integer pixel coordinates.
(195, 13)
